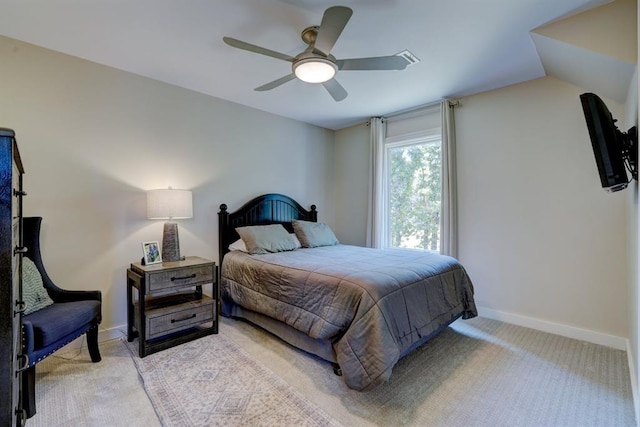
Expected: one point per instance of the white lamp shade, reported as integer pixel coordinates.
(169, 203)
(314, 70)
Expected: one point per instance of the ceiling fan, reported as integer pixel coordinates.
(316, 64)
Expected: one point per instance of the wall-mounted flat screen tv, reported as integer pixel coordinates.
(615, 151)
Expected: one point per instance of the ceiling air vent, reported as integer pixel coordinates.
(410, 57)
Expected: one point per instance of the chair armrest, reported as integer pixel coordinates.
(27, 337)
(62, 295)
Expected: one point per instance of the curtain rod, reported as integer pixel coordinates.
(413, 109)
(452, 103)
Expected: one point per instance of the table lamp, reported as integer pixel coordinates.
(170, 204)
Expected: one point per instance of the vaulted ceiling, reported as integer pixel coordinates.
(464, 46)
(596, 49)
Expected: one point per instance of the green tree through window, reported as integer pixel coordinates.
(414, 197)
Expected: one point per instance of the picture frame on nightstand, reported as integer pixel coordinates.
(151, 252)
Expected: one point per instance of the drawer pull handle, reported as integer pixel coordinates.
(183, 319)
(192, 276)
(20, 250)
(20, 307)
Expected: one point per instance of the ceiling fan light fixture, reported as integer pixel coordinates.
(314, 70)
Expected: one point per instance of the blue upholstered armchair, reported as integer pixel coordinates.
(72, 314)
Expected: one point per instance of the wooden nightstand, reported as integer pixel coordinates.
(171, 307)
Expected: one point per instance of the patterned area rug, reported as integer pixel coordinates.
(213, 382)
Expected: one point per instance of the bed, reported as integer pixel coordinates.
(361, 309)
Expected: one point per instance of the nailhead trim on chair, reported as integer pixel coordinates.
(32, 363)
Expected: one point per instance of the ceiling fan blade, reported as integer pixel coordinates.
(333, 22)
(274, 84)
(374, 63)
(256, 49)
(335, 89)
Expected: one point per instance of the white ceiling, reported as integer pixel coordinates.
(465, 46)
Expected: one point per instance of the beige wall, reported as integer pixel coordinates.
(608, 29)
(634, 295)
(539, 236)
(93, 139)
(351, 166)
(537, 232)
(633, 350)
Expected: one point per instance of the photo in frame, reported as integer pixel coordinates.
(151, 252)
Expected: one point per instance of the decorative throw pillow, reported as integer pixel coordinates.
(295, 239)
(262, 239)
(34, 294)
(314, 234)
(239, 245)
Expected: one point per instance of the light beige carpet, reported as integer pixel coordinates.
(213, 382)
(73, 391)
(476, 373)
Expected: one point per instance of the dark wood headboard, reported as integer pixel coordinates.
(263, 210)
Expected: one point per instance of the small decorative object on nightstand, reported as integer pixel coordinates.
(171, 307)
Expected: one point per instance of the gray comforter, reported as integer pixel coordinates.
(372, 304)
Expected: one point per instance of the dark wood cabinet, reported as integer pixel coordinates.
(11, 303)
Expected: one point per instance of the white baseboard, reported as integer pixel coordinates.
(618, 343)
(634, 382)
(112, 333)
(103, 336)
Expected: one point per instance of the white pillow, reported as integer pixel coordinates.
(295, 239)
(239, 245)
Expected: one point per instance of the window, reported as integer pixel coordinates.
(413, 182)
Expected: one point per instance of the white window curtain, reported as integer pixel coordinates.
(376, 221)
(449, 207)
(376, 209)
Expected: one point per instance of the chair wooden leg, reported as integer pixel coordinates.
(92, 343)
(28, 392)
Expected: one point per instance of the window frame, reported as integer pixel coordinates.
(433, 136)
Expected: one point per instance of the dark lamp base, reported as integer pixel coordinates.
(170, 242)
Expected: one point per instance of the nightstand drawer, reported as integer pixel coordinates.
(166, 320)
(180, 278)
